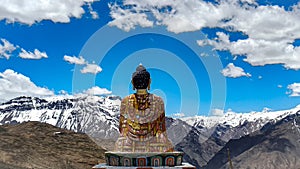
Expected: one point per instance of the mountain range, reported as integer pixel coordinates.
(202, 138)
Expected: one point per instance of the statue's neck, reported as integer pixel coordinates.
(141, 91)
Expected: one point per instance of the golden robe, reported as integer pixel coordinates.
(142, 130)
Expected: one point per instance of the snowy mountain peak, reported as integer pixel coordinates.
(89, 114)
(234, 119)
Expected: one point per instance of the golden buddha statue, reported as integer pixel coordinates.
(142, 118)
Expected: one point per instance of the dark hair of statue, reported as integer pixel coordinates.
(140, 78)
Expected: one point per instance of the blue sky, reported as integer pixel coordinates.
(200, 59)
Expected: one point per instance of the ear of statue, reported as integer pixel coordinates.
(132, 85)
(149, 84)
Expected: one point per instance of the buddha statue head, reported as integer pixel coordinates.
(141, 79)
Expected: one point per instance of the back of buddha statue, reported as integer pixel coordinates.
(142, 119)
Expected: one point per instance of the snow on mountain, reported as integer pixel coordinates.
(234, 125)
(94, 115)
(209, 135)
(235, 119)
(98, 117)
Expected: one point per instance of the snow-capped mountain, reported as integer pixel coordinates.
(239, 123)
(98, 117)
(234, 119)
(200, 137)
(94, 115)
(208, 135)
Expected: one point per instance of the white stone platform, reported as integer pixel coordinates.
(183, 166)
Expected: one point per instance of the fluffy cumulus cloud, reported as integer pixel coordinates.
(75, 60)
(233, 71)
(13, 84)
(32, 55)
(97, 91)
(217, 112)
(88, 67)
(6, 49)
(126, 19)
(91, 68)
(294, 89)
(270, 30)
(31, 11)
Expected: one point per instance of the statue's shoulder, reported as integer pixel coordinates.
(156, 98)
(128, 98)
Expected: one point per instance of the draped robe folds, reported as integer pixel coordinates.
(142, 130)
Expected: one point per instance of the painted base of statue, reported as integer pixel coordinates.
(147, 160)
(128, 159)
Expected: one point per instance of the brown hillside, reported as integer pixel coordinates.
(40, 145)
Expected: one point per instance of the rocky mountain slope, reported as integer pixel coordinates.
(274, 146)
(43, 146)
(209, 135)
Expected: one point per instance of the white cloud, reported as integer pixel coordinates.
(13, 84)
(279, 86)
(6, 49)
(217, 112)
(270, 30)
(97, 91)
(233, 71)
(294, 89)
(258, 52)
(259, 77)
(32, 55)
(31, 11)
(88, 68)
(249, 1)
(91, 68)
(126, 20)
(92, 12)
(178, 16)
(75, 60)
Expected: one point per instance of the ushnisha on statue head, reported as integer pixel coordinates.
(141, 80)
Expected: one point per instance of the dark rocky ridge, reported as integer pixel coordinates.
(40, 145)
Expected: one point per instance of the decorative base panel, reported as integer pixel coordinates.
(183, 166)
(143, 159)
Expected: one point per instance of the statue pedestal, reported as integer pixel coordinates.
(144, 160)
(183, 166)
(141, 159)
